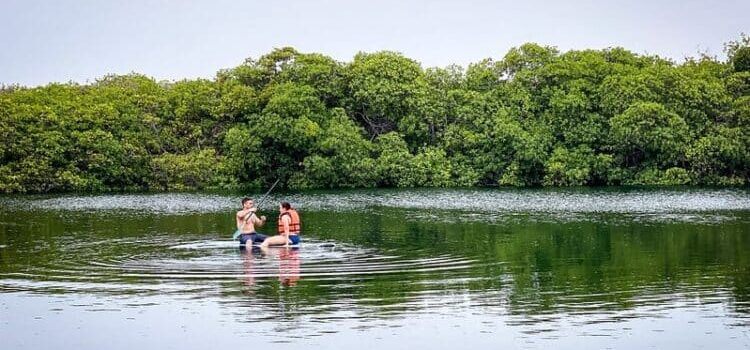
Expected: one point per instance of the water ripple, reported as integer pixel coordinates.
(209, 261)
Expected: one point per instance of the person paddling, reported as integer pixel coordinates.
(246, 221)
(289, 228)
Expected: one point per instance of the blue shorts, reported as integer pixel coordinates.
(254, 237)
(294, 239)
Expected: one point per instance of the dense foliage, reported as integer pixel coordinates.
(535, 117)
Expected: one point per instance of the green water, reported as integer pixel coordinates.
(591, 268)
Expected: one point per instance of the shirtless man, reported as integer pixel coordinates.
(246, 221)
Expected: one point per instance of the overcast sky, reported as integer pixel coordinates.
(59, 41)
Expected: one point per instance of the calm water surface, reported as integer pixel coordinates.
(444, 269)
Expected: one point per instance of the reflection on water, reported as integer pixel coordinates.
(621, 269)
(289, 272)
(288, 261)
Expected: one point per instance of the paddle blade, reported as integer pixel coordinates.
(236, 235)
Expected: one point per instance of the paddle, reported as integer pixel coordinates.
(237, 233)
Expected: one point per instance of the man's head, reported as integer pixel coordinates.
(247, 203)
(284, 206)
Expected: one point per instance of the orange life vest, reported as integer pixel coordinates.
(295, 226)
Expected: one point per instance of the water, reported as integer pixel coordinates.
(516, 269)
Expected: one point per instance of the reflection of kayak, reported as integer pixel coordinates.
(292, 246)
(257, 245)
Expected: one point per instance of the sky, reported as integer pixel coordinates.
(83, 40)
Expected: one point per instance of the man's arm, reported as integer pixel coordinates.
(249, 214)
(240, 219)
(243, 216)
(260, 222)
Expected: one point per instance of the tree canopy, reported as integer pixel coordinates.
(536, 116)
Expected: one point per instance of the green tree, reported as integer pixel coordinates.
(381, 88)
(647, 133)
(721, 157)
(538, 116)
(194, 170)
(576, 167)
(741, 60)
(393, 161)
(341, 157)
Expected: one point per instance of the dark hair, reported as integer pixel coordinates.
(245, 200)
(286, 205)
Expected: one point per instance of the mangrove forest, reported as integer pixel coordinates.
(535, 117)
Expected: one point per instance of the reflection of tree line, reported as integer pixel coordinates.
(544, 263)
(549, 264)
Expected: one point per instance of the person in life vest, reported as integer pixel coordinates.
(289, 228)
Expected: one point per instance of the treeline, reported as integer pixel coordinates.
(535, 117)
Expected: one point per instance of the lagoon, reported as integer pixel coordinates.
(439, 268)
